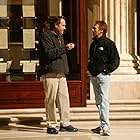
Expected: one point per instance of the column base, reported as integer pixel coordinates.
(128, 65)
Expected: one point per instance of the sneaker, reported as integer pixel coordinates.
(52, 131)
(106, 133)
(96, 130)
(68, 128)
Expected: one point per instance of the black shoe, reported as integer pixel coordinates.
(68, 128)
(96, 130)
(52, 131)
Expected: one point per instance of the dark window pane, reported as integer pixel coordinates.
(3, 23)
(14, 11)
(4, 54)
(29, 54)
(15, 35)
(29, 23)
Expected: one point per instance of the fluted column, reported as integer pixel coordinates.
(117, 29)
(112, 20)
(120, 26)
(124, 27)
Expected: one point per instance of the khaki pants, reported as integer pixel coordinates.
(56, 93)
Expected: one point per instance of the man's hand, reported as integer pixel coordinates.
(70, 46)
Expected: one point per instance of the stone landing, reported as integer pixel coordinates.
(123, 87)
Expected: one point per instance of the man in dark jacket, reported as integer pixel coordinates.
(103, 60)
(53, 67)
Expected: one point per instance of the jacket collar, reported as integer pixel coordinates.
(100, 39)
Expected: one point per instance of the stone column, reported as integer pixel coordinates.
(127, 65)
(116, 14)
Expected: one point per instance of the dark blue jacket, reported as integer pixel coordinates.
(103, 56)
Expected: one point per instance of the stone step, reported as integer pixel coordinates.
(92, 116)
(36, 119)
(112, 118)
(119, 110)
(80, 112)
(118, 102)
(113, 109)
(27, 120)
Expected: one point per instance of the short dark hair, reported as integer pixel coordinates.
(54, 20)
(102, 26)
